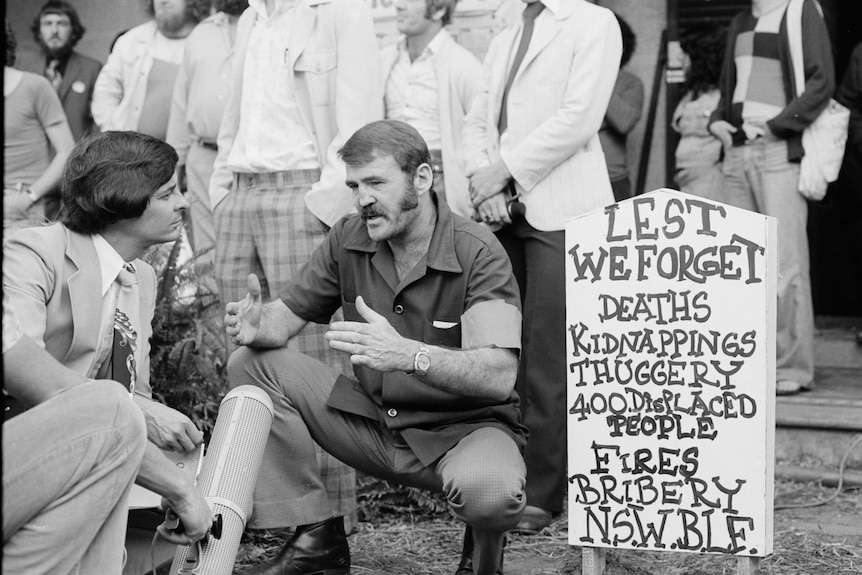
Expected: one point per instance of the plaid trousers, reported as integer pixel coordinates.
(263, 227)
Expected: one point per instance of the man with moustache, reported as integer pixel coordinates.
(200, 95)
(432, 328)
(134, 89)
(58, 29)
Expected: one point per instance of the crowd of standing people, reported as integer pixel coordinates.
(387, 233)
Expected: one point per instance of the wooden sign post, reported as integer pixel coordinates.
(671, 379)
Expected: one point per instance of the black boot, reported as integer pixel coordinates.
(316, 549)
(465, 567)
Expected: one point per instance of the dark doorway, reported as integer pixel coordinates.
(835, 224)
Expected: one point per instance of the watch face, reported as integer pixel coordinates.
(423, 362)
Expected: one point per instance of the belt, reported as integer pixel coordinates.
(208, 145)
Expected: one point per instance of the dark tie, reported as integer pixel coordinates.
(53, 74)
(530, 14)
(123, 366)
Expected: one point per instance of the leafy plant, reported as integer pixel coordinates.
(376, 498)
(187, 350)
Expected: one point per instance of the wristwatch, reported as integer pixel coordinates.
(421, 362)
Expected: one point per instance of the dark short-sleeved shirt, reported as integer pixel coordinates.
(461, 295)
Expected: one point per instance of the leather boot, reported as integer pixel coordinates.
(316, 549)
(465, 567)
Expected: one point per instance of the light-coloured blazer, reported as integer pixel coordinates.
(556, 105)
(53, 282)
(335, 60)
(459, 79)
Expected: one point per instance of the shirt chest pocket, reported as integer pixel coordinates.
(317, 70)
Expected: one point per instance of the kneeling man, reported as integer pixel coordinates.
(432, 325)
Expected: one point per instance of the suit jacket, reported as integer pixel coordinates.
(76, 88)
(53, 281)
(556, 105)
(333, 55)
(459, 77)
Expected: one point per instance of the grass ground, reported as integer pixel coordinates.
(821, 540)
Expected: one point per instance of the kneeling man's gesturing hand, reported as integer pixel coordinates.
(242, 318)
(375, 344)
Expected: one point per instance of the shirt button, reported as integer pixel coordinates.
(392, 412)
(399, 309)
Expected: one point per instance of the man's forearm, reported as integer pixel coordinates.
(488, 372)
(161, 475)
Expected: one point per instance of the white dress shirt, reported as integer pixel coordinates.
(271, 136)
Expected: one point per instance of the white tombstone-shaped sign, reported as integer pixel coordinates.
(670, 308)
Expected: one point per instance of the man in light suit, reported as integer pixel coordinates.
(303, 81)
(532, 136)
(79, 290)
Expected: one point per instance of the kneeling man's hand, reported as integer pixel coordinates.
(242, 318)
(194, 514)
(375, 344)
(168, 428)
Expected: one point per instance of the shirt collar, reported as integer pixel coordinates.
(110, 262)
(552, 5)
(441, 251)
(259, 6)
(433, 46)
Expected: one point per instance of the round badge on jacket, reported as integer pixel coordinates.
(79, 87)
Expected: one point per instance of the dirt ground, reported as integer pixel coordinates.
(821, 540)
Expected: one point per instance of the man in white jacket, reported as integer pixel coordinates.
(532, 133)
(429, 82)
(134, 88)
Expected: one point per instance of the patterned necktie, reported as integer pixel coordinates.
(530, 13)
(123, 364)
(53, 74)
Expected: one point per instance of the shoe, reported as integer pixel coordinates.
(316, 549)
(465, 567)
(534, 520)
(787, 387)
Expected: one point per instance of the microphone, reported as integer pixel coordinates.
(227, 480)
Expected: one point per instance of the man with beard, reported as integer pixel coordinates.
(432, 327)
(133, 91)
(200, 95)
(58, 29)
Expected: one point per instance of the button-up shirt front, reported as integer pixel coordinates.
(272, 136)
(411, 91)
(462, 295)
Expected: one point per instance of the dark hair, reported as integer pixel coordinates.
(232, 7)
(629, 40)
(448, 6)
(11, 44)
(195, 10)
(111, 176)
(705, 46)
(60, 7)
(393, 138)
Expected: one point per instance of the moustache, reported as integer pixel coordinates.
(369, 212)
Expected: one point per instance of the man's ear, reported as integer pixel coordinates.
(438, 15)
(423, 179)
